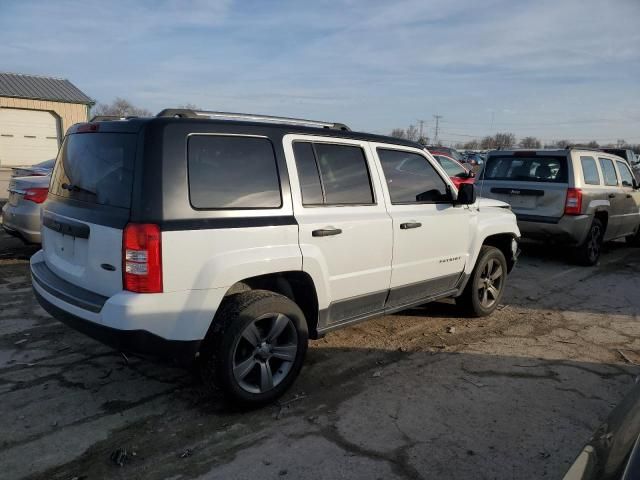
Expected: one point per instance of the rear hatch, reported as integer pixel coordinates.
(88, 207)
(533, 183)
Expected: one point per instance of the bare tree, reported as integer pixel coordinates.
(593, 144)
(424, 140)
(505, 140)
(530, 142)
(120, 107)
(412, 133)
(488, 143)
(561, 143)
(620, 143)
(398, 133)
(471, 145)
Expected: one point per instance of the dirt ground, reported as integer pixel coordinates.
(406, 396)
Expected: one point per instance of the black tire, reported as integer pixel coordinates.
(490, 267)
(255, 314)
(634, 240)
(589, 252)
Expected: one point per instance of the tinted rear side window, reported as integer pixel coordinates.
(590, 172)
(609, 172)
(96, 168)
(308, 173)
(527, 168)
(344, 173)
(411, 178)
(229, 172)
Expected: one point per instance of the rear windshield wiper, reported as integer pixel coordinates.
(75, 188)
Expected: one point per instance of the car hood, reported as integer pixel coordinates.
(490, 202)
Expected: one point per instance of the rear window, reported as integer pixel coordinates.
(96, 168)
(232, 172)
(533, 168)
(609, 172)
(590, 171)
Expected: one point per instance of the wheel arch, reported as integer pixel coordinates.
(298, 286)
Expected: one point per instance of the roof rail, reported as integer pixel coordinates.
(579, 147)
(188, 113)
(107, 118)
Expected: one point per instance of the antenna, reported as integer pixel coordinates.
(482, 172)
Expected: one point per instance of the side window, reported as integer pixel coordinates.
(232, 172)
(308, 174)
(608, 171)
(590, 171)
(332, 174)
(625, 174)
(411, 178)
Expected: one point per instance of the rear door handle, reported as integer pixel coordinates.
(612, 195)
(326, 232)
(629, 195)
(408, 225)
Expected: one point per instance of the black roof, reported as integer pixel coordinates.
(137, 123)
(18, 85)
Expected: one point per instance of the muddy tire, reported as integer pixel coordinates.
(589, 252)
(255, 348)
(486, 285)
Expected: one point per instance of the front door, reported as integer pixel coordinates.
(430, 234)
(631, 198)
(344, 229)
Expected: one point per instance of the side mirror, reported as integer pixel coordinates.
(471, 174)
(466, 194)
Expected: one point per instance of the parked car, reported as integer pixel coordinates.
(629, 156)
(231, 243)
(449, 152)
(456, 171)
(39, 169)
(613, 452)
(575, 197)
(21, 213)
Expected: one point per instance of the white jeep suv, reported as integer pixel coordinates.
(231, 241)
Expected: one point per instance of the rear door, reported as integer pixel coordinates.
(87, 209)
(631, 199)
(533, 183)
(344, 228)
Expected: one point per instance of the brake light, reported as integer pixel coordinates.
(87, 127)
(573, 205)
(36, 195)
(142, 258)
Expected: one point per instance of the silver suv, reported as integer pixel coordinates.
(577, 197)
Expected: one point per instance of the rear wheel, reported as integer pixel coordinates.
(256, 347)
(485, 288)
(589, 252)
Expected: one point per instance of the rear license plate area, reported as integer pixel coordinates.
(522, 201)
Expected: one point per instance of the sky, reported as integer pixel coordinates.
(555, 69)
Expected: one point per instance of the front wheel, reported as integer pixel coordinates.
(256, 347)
(485, 288)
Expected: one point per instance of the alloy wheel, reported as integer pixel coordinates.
(265, 352)
(490, 283)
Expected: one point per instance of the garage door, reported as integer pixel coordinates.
(27, 137)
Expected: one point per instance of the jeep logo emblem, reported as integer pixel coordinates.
(515, 192)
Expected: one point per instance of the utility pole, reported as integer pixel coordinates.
(437, 117)
(421, 122)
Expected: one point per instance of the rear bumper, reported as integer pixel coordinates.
(569, 229)
(22, 222)
(140, 342)
(168, 325)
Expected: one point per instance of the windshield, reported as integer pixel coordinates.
(96, 168)
(527, 169)
(452, 168)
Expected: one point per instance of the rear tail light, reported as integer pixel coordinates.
(36, 195)
(142, 258)
(573, 205)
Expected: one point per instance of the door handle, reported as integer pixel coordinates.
(629, 195)
(326, 232)
(612, 195)
(408, 225)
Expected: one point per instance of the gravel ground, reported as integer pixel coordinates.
(515, 395)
